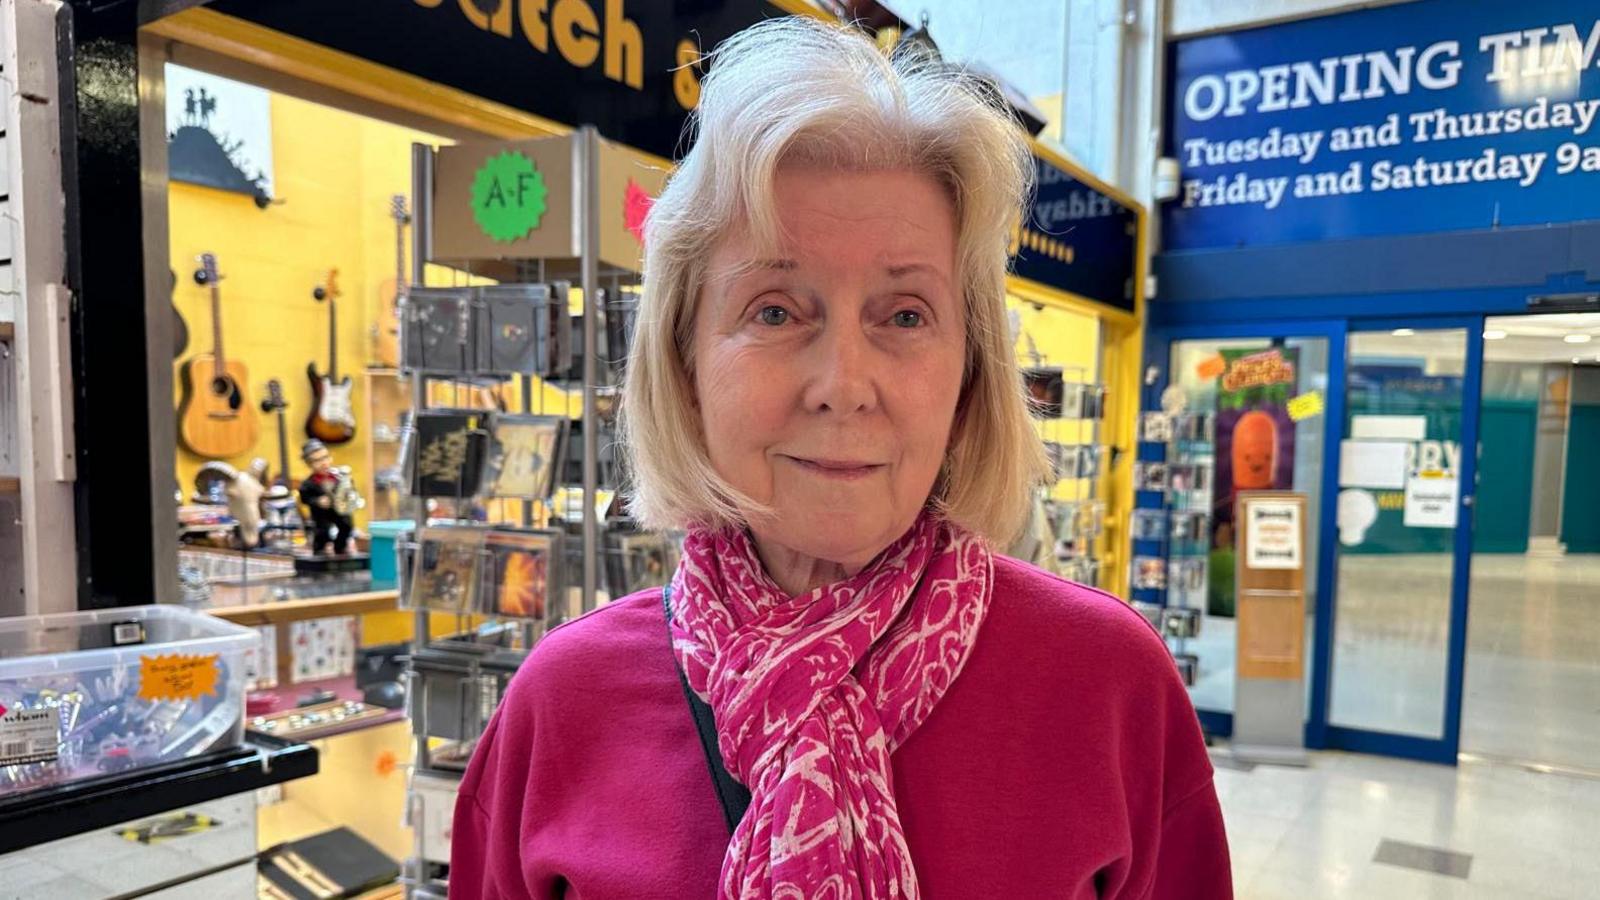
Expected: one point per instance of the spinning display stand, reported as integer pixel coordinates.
(517, 523)
(1074, 516)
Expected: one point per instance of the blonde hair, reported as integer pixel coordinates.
(798, 90)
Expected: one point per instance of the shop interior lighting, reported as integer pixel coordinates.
(1403, 332)
(1577, 338)
(1494, 334)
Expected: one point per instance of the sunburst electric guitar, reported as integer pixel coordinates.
(215, 417)
(333, 417)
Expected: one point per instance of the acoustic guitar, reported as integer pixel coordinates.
(276, 404)
(215, 417)
(333, 417)
(386, 331)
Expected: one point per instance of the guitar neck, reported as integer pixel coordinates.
(216, 328)
(333, 341)
(283, 447)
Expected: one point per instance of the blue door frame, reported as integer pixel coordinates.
(1319, 733)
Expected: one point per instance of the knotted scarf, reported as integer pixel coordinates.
(812, 693)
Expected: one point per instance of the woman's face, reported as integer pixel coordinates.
(827, 377)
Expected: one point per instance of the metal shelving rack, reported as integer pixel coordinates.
(419, 876)
(1075, 551)
(1170, 526)
(1075, 523)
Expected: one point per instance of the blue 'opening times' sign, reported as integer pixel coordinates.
(1437, 115)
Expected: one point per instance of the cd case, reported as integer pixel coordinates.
(448, 560)
(444, 452)
(522, 576)
(525, 455)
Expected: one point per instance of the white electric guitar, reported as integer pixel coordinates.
(333, 415)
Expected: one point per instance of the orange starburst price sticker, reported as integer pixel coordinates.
(177, 677)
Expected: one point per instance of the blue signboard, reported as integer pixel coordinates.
(1077, 238)
(1437, 115)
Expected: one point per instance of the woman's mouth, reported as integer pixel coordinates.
(838, 469)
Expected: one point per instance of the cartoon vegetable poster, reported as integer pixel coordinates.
(1255, 445)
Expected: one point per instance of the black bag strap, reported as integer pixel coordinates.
(734, 797)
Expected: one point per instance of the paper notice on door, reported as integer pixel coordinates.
(1272, 535)
(1389, 428)
(1431, 502)
(1373, 464)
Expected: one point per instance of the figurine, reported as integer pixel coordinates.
(244, 502)
(326, 492)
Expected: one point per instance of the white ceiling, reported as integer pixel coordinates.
(1528, 339)
(1541, 338)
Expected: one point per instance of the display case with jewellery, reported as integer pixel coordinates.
(186, 825)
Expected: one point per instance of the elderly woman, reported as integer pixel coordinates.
(844, 692)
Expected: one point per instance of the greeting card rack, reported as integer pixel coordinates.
(509, 449)
(1170, 528)
(1072, 406)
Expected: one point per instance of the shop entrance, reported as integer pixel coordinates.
(1243, 378)
(1451, 595)
(1532, 681)
(1366, 419)
(1405, 494)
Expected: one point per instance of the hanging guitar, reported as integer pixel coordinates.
(215, 417)
(276, 403)
(386, 331)
(333, 417)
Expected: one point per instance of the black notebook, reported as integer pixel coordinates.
(337, 863)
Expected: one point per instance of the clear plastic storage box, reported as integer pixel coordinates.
(97, 693)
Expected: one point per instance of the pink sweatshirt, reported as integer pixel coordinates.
(1065, 761)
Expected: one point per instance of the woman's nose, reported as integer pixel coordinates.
(843, 375)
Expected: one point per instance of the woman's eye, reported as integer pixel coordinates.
(908, 318)
(773, 315)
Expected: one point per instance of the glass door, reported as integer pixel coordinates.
(1263, 398)
(1404, 531)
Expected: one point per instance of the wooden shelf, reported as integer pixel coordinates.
(9, 485)
(8, 331)
(282, 611)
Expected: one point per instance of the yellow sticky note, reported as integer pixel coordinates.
(1211, 367)
(177, 677)
(1305, 406)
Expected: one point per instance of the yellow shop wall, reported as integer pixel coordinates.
(335, 172)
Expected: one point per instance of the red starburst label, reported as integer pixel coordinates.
(635, 206)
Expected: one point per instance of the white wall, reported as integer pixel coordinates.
(1191, 17)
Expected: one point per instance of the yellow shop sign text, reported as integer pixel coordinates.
(582, 36)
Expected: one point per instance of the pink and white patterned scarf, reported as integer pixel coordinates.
(811, 694)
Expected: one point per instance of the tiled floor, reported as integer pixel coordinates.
(1532, 687)
(1532, 684)
(1309, 834)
